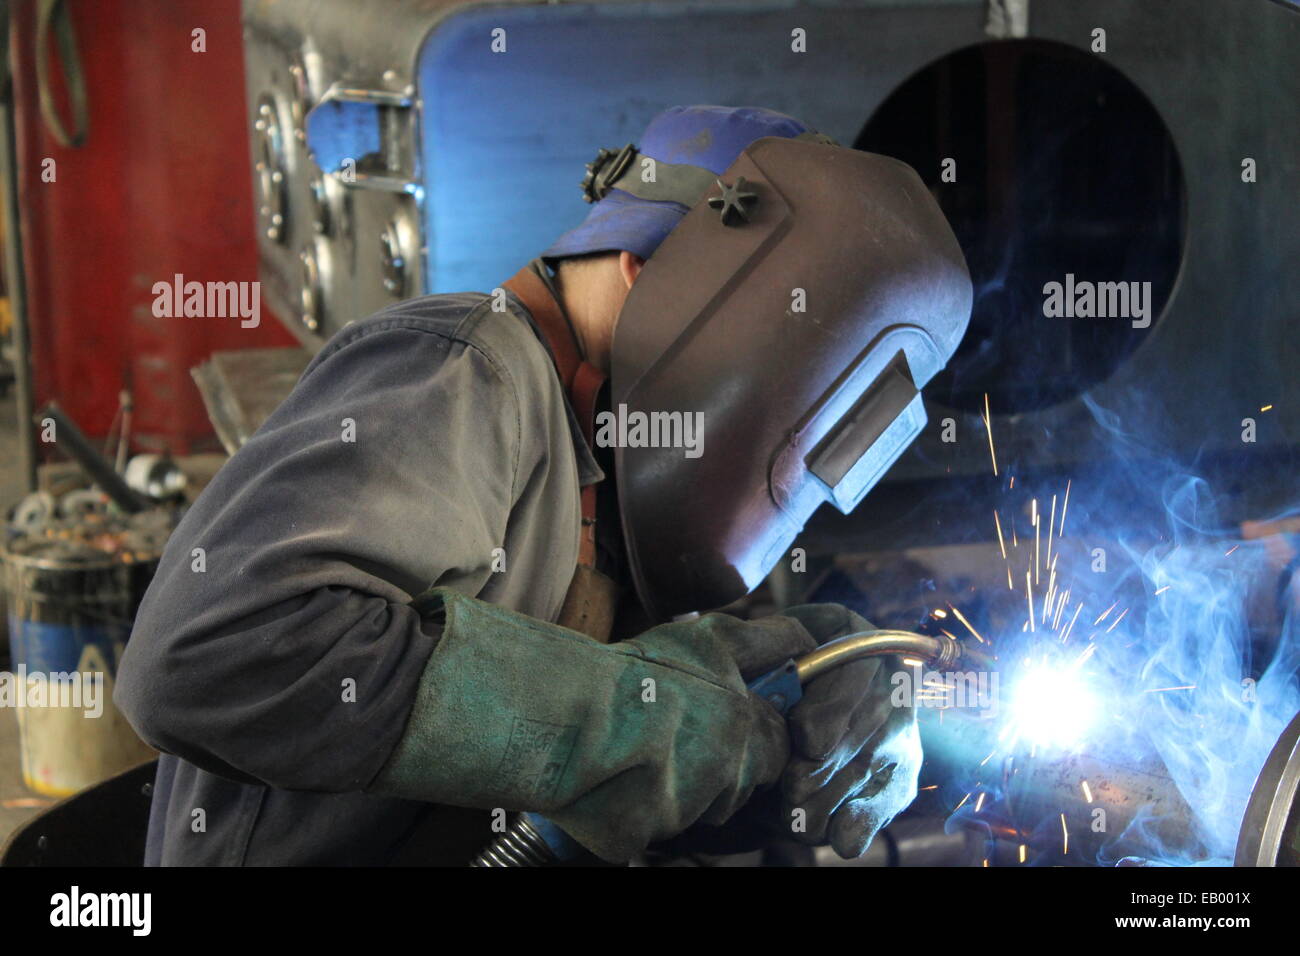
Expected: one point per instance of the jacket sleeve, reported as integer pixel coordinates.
(275, 643)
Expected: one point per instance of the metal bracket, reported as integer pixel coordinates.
(394, 145)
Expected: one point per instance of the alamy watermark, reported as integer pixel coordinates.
(638, 429)
(967, 690)
(78, 690)
(208, 300)
(133, 911)
(1098, 300)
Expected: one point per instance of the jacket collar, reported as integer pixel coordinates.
(534, 290)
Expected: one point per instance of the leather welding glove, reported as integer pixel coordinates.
(855, 756)
(618, 744)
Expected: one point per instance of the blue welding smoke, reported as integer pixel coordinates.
(1204, 671)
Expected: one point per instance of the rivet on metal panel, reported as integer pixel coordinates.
(302, 96)
(313, 304)
(269, 169)
(321, 217)
(393, 260)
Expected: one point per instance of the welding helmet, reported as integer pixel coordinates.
(793, 314)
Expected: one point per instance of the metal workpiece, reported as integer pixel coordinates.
(1270, 830)
(1115, 813)
(1105, 807)
(922, 840)
(1111, 808)
(1098, 806)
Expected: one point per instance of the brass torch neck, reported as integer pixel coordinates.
(941, 652)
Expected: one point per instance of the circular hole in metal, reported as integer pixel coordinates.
(1062, 168)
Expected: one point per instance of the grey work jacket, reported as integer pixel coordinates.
(274, 659)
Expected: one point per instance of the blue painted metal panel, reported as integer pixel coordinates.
(505, 135)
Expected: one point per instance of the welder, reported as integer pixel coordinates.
(424, 595)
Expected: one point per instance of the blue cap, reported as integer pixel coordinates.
(707, 136)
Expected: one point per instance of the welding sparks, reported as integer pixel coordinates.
(1053, 704)
(1069, 628)
(1103, 614)
(1029, 596)
(988, 427)
(1263, 408)
(1051, 525)
(1230, 550)
(1037, 538)
(1065, 504)
(962, 617)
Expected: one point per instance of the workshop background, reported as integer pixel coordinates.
(333, 157)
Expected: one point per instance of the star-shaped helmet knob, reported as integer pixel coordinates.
(735, 201)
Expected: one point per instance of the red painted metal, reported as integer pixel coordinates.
(161, 185)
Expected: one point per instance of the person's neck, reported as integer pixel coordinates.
(591, 328)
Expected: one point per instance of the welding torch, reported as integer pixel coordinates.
(533, 840)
